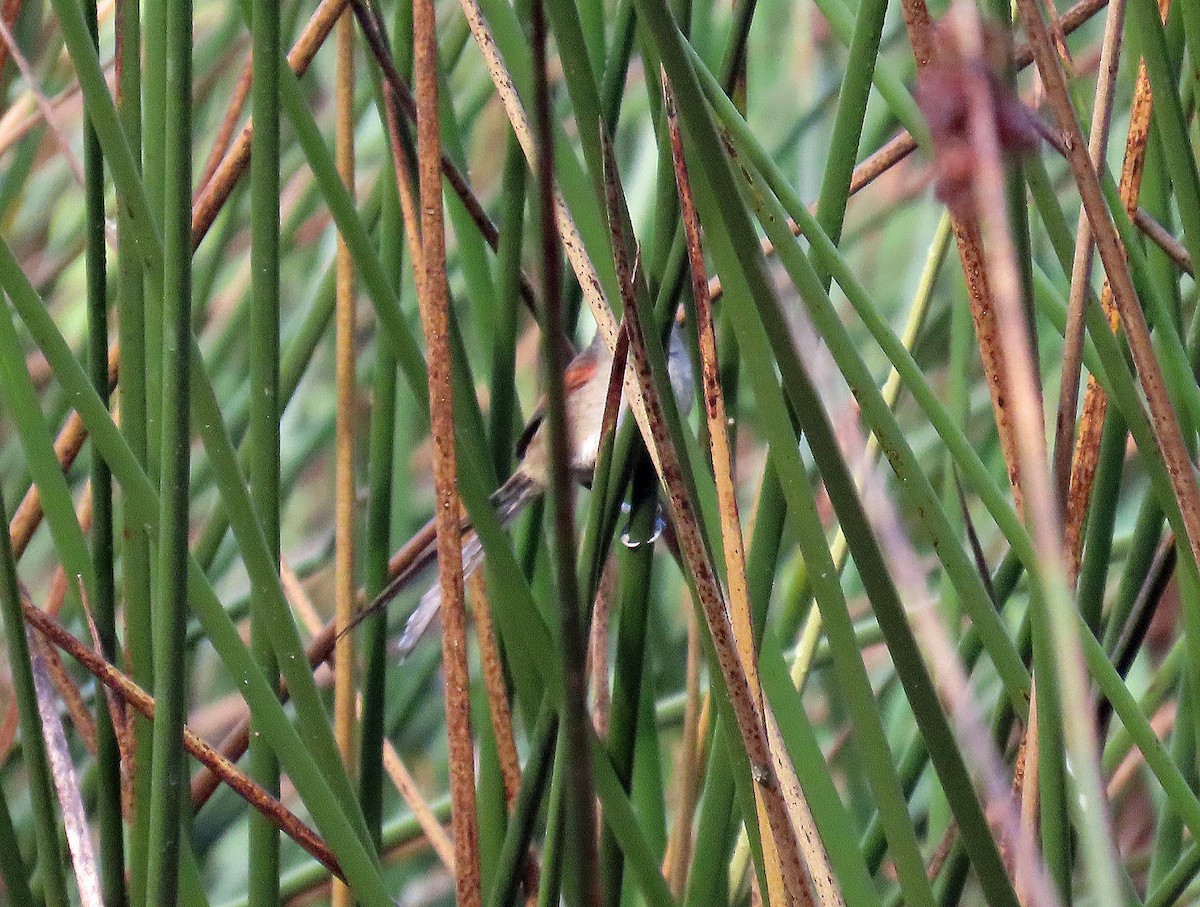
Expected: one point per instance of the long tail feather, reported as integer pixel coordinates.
(508, 500)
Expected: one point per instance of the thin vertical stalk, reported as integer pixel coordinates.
(722, 459)
(508, 761)
(170, 624)
(1085, 461)
(1062, 661)
(525, 808)
(1081, 273)
(679, 846)
(974, 266)
(343, 685)
(377, 542)
(580, 799)
(154, 114)
(380, 463)
(552, 846)
(503, 412)
(635, 566)
(41, 788)
(263, 877)
(103, 604)
(135, 552)
(433, 295)
(851, 112)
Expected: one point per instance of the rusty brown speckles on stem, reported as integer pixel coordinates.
(722, 460)
(1095, 401)
(939, 67)
(1081, 269)
(695, 555)
(433, 297)
(712, 604)
(398, 100)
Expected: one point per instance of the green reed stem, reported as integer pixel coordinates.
(108, 757)
(170, 623)
(264, 434)
(136, 574)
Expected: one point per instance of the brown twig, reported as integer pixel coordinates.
(220, 184)
(679, 846)
(1164, 239)
(497, 692)
(224, 137)
(119, 717)
(433, 298)
(143, 703)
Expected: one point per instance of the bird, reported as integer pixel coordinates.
(585, 383)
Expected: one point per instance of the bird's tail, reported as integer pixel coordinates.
(508, 502)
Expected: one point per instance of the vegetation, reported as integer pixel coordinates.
(905, 610)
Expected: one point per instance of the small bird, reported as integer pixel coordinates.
(585, 382)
